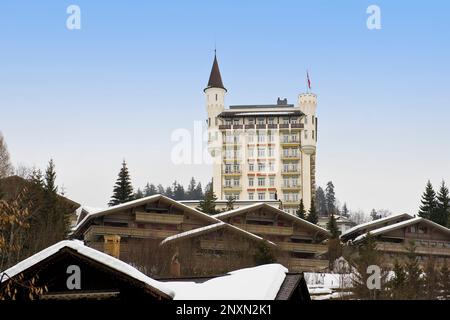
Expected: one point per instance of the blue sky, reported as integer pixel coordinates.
(135, 72)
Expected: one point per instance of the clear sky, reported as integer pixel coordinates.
(135, 72)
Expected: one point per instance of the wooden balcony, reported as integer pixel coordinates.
(422, 250)
(261, 229)
(93, 231)
(222, 245)
(159, 218)
(303, 247)
(301, 265)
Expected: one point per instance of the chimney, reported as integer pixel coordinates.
(175, 270)
(112, 245)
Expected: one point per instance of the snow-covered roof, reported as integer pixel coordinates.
(93, 254)
(239, 210)
(376, 222)
(401, 225)
(213, 227)
(139, 202)
(257, 283)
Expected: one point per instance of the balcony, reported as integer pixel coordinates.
(290, 143)
(301, 265)
(303, 247)
(272, 126)
(422, 250)
(249, 126)
(261, 229)
(290, 188)
(94, 231)
(261, 126)
(159, 218)
(232, 188)
(290, 172)
(231, 172)
(292, 126)
(225, 127)
(221, 245)
(295, 157)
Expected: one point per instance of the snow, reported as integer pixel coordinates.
(375, 222)
(265, 113)
(257, 283)
(90, 253)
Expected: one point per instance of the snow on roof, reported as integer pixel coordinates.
(257, 283)
(90, 253)
(265, 113)
(212, 227)
(136, 203)
(400, 225)
(230, 213)
(375, 222)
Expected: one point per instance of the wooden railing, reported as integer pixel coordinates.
(159, 218)
(303, 247)
(401, 248)
(261, 229)
(128, 232)
(300, 265)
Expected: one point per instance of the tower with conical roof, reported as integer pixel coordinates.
(215, 104)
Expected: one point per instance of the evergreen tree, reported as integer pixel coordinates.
(301, 213)
(374, 215)
(428, 207)
(168, 192)
(443, 206)
(321, 202)
(150, 190)
(413, 271)
(431, 279)
(191, 189)
(178, 191)
(332, 227)
(345, 212)
(444, 280)
(330, 198)
(230, 204)
(198, 194)
(161, 190)
(123, 190)
(312, 214)
(208, 203)
(397, 285)
(138, 194)
(50, 178)
(264, 254)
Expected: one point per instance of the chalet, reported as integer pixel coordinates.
(214, 249)
(69, 270)
(363, 228)
(302, 242)
(429, 239)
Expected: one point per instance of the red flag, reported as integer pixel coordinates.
(309, 81)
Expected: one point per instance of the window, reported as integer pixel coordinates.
(227, 183)
(236, 196)
(271, 166)
(236, 168)
(251, 167)
(285, 167)
(261, 137)
(285, 138)
(251, 195)
(272, 196)
(251, 137)
(294, 182)
(312, 134)
(306, 119)
(270, 137)
(306, 134)
(235, 121)
(251, 121)
(294, 138)
(236, 182)
(228, 121)
(261, 121)
(261, 182)
(286, 197)
(294, 120)
(312, 119)
(270, 121)
(261, 152)
(251, 152)
(285, 120)
(271, 181)
(285, 152)
(261, 196)
(286, 182)
(251, 182)
(216, 97)
(261, 167)
(228, 168)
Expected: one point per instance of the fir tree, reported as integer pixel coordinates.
(138, 194)
(397, 285)
(230, 203)
(444, 280)
(414, 280)
(431, 279)
(428, 207)
(330, 198)
(123, 191)
(443, 206)
(191, 189)
(264, 254)
(50, 178)
(312, 214)
(168, 192)
(332, 227)
(374, 215)
(301, 213)
(208, 203)
(321, 202)
(150, 190)
(345, 211)
(178, 191)
(161, 190)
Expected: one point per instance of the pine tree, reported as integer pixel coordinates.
(374, 215)
(428, 207)
(301, 213)
(178, 191)
(321, 202)
(330, 198)
(414, 280)
(444, 280)
(312, 214)
(208, 203)
(150, 190)
(123, 190)
(138, 194)
(191, 189)
(431, 279)
(168, 192)
(161, 190)
(50, 178)
(264, 254)
(345, 212)
(397, 285)
(230, 203)
(443, 206)
(198, 194)
(332, 227)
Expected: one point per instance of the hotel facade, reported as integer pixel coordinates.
(262, 152)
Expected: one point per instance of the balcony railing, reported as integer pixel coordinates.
(159, 218)
(401, 248)
(231, 172)
(261, 229)
(222, 245)
(224, 126)
(300, 265)
(228, 187)
(303, 247)
(128, 232)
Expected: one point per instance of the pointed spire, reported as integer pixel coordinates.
(215, 79)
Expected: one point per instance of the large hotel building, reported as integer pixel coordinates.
(262, 152)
